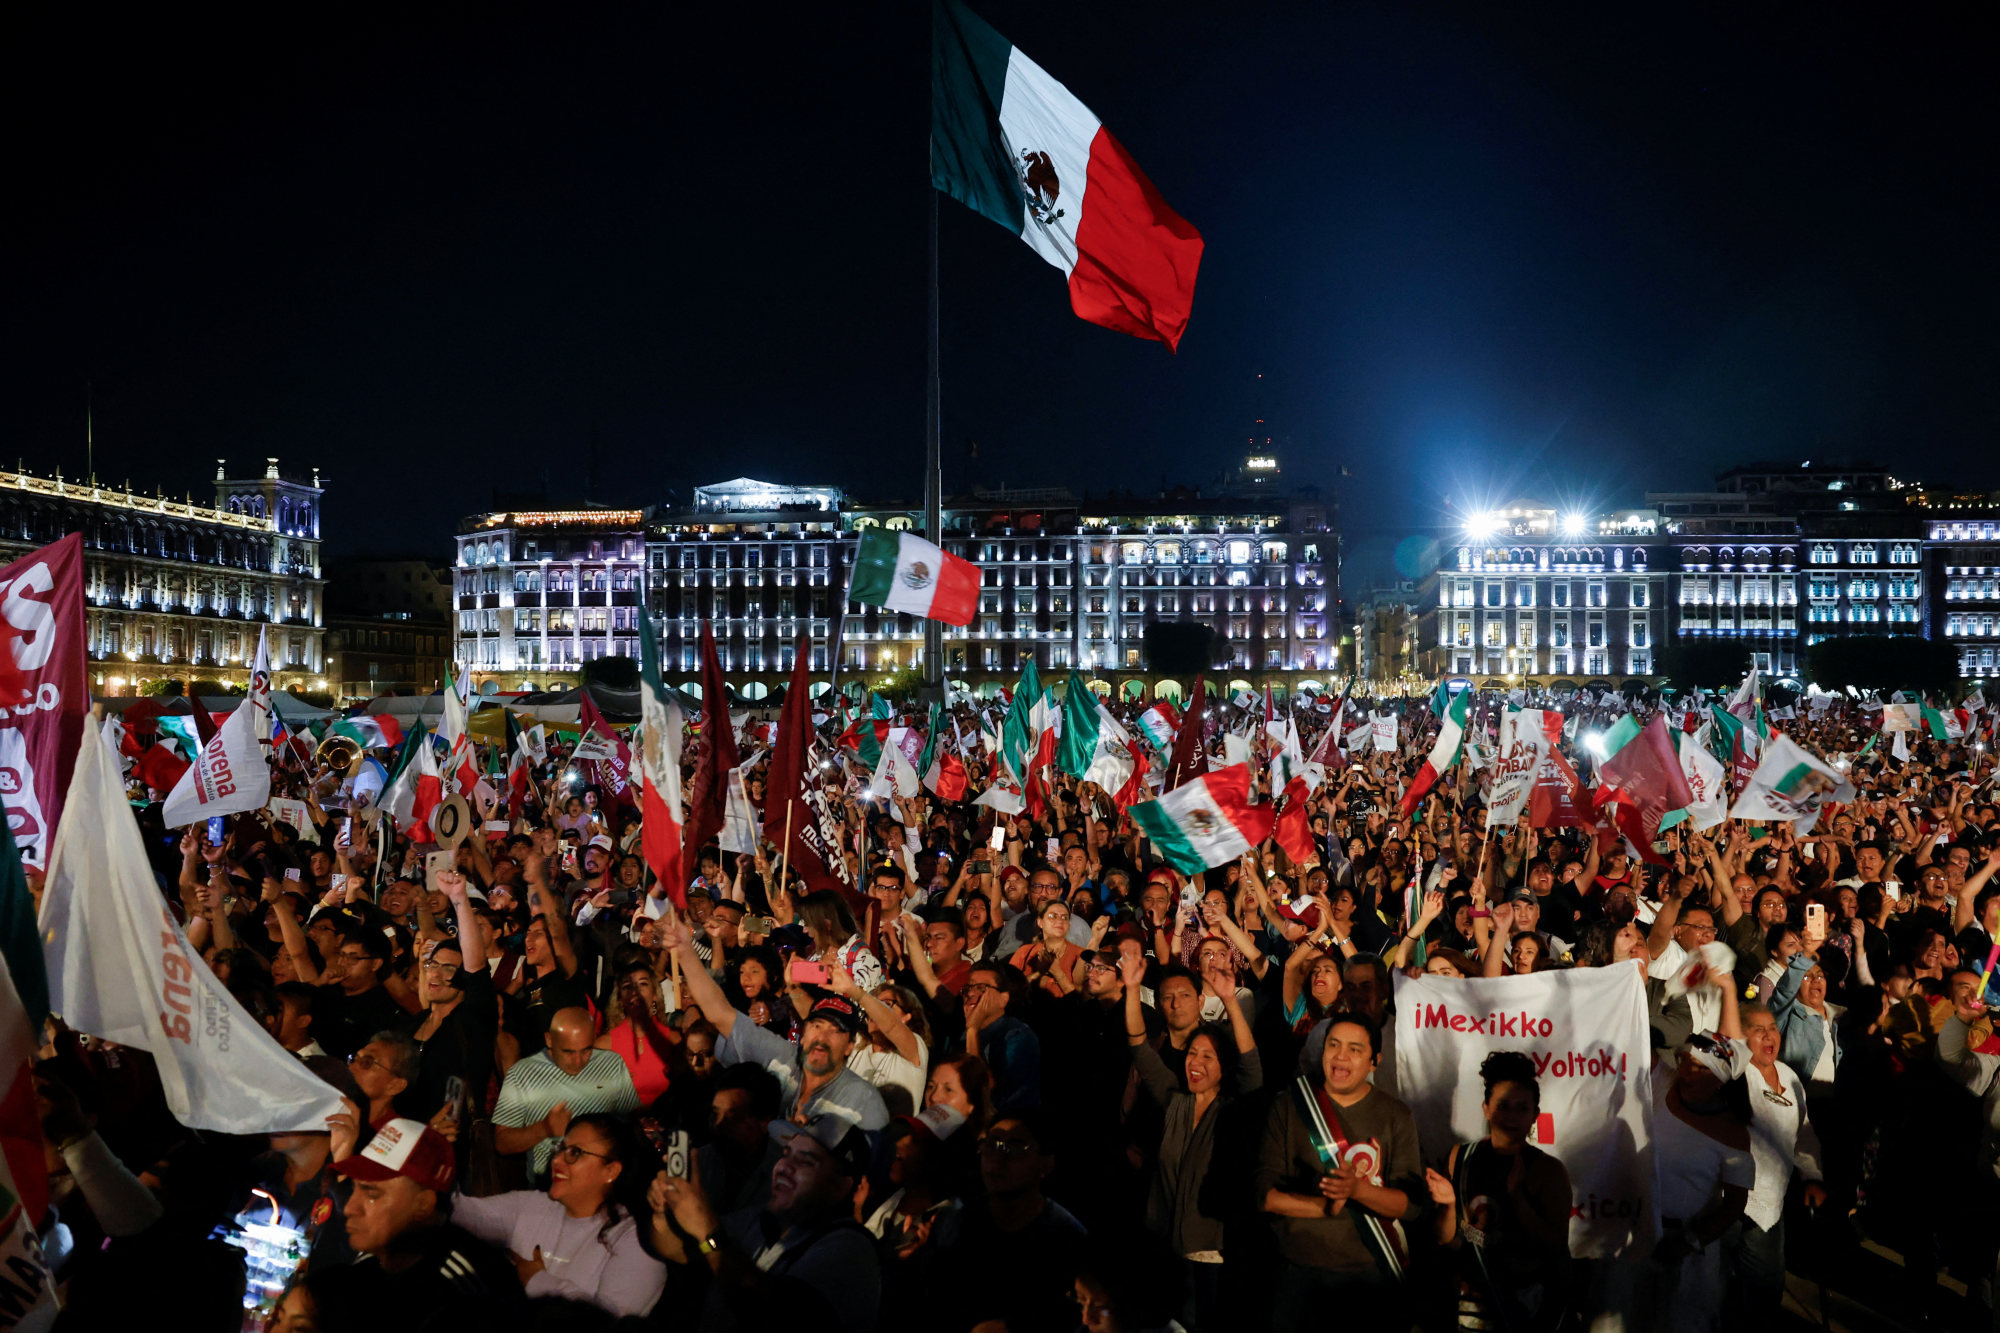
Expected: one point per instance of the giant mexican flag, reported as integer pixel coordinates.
(1207, 822)
(1015, 146)
(1451, 738)
(903, 572)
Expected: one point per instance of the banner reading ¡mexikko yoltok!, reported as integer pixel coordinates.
(1586, 1030)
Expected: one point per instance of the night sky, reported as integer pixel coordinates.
(1475, 251)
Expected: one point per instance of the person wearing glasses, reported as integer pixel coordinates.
(383, 1069)
(800, 1260)
(579, 1239)
(460, 1020)
(1782, 1140)
(1015, 1230)
(1678, 933)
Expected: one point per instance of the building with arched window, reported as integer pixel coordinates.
(1071, 583)
(177, 590)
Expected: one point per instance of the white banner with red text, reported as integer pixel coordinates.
(1585, 1028)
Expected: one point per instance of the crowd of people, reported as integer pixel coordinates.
(1027, 1075)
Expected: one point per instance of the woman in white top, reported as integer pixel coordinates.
(896, 1056)
(1781, 1138)
(576, 1240)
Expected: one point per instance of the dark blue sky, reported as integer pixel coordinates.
(1475, 250)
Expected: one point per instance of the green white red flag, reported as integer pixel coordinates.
(1444, 753)
(1019, 149)
(1207, 822)
(902, 572)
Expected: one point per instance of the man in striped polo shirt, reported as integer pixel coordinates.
(543, 1091)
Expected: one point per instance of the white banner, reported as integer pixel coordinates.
(120, 968)
(1709, 782)
(739, 831)
(1585, 1028)
(594, 744)
(296, 814)
(1524, 743)
(1791, 785)
(1902, 717)
(228, 777)
(1383, 733)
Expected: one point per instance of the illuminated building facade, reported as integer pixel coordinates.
(176, 590)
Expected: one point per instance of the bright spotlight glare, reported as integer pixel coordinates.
(1593, 741)
(1483, 525)
(1572, 525)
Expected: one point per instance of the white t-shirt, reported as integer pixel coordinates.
(1823, 1071)
(1689, 1163)
(1705, 1004)
(888, 1069)
(1780, 1138)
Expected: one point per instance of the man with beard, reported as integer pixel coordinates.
(813, 1069)
(801, 1261)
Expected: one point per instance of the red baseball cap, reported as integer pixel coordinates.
(404, 1148)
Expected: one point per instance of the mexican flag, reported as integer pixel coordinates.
(1158, 724)
(1017, 732)
(660, 731)
(1451, 738)
(1019, 149)
(416, 787)
(902, 572)
(1096, 747)
(1207, 822)
(369, 733)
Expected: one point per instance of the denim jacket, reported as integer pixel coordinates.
(1801, 1034)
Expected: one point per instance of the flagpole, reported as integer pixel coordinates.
(784, 859)
(933, 471)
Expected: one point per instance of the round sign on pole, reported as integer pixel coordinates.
(451, 822)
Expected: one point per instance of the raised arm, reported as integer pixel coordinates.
(892, 1023)
(1432, 909)
(704, 992)
(535, 870)
(452, 884)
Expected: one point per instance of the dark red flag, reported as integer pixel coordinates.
(793, 797)
(717, 755)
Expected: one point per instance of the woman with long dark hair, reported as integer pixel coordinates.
(1503, 1209)
(837, 940)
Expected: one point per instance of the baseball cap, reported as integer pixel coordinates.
(1008, 872)
(940, 1122)
(600, 841)
(1301, 911)
(847, 1145)
(839, 1011)
(1524, 896)
(408, 1148)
